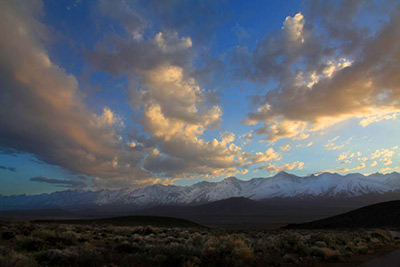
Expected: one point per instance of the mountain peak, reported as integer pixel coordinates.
(327, 173)
(283, 185)
(285, 174)
(232, 178)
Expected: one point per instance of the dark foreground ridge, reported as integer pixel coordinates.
(381, 215)
(157, 221)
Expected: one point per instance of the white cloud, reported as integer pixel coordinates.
(227, 137)
(343, 156)
(387, 162)
(293, 28)
(390, 169)
(377, 118)
(333, 146)
(285, 147)
(259, 157)
(286, 167)
(344, 170)
(382, 153)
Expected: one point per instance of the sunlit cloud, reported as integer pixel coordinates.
(344, 170)
(148, 97)
(279, 168)
(314, 81)
(285, 147)
(52, 122)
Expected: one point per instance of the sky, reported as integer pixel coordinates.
(126, 94)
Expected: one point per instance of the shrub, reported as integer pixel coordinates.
(126, 247)
(290, 242)
(93, 245)
(9, 257)
(31, 243)
(229, 249)
(56, 257)
(7, 235)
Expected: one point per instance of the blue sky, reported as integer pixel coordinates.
(113, 94)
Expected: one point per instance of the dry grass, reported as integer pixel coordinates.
(39, 244)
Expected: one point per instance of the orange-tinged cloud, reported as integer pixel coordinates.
(318, 88)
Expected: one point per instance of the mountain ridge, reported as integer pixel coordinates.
(379, 215)
(281, 185)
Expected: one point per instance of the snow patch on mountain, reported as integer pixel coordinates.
(282, 185)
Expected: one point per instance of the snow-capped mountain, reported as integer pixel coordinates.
(282, 185)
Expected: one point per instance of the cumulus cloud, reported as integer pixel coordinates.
(349, 155)
(176, 114)
(342, 156)
(58, 182)
(260, 157)
(380, 155)
(286, 167)
(326, 74)
(360, 166)
(383, 155)
(376, 118)
(50, 119)
(316, 70)
(387, 162)
(330, 145)
(285, 147)
(293, 29)
(390, 169)
(175, 110)
(362, 159)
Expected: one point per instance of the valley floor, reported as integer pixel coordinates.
(44, 244)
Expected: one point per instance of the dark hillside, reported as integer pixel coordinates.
(381, 215)
(157, 221)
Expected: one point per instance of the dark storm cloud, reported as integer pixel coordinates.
(7, 168)
(60, 183)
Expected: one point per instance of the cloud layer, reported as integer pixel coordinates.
(321, 67)
(7, 168)
(49, 117)
(52, 121)
(59, 183)
(326, 74)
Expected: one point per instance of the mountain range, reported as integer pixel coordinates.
(282, 186)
